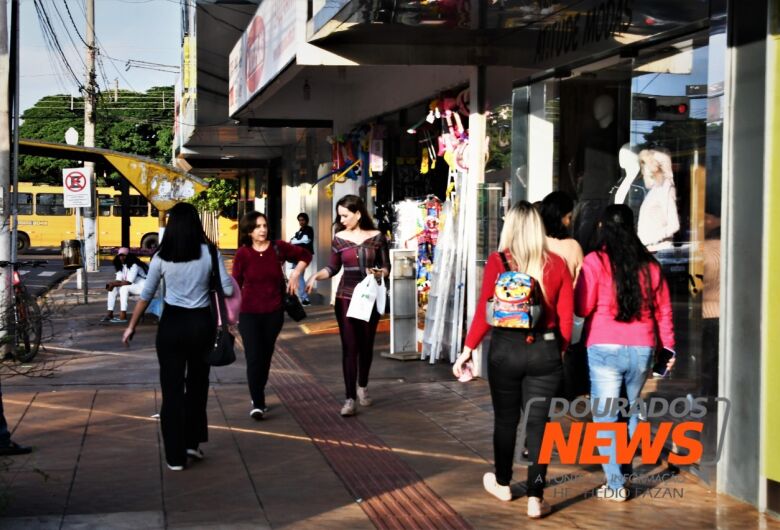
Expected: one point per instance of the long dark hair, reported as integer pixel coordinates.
(130, 260)
(247, 225)
(183, 234)
(631, 262)
(353, 203)
(554, 207)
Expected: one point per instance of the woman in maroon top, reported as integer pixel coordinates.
(523, 365)
(360, 249)
(258, 270)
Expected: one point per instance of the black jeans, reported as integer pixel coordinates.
(357, 346)
(5, 435)
(518, 372)
(259, 332)
(184, 337)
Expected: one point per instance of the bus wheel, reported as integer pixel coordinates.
(149, 241)
(22, 242)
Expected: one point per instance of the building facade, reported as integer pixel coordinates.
(503, 101)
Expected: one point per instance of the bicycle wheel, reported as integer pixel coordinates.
(28, 327)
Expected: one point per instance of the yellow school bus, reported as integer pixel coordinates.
(45, 222)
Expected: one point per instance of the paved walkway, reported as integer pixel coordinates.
(413, 460)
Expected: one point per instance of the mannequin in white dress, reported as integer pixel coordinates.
(658, 218)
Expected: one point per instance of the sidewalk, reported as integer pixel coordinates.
(413, 460)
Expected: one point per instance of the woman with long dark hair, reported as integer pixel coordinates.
(556, 210)
(185, 333)
(524, 364)
(257, 269)
(622, 293)
(360, 249)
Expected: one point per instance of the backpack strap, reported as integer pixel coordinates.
(504, 260)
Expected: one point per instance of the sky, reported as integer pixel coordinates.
(143, 30)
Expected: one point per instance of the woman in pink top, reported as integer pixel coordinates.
(622, 293)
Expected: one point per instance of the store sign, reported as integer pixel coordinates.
(601, 22)
(266, 47)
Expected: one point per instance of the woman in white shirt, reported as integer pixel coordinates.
(130, 278)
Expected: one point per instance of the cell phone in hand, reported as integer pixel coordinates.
(662, 358)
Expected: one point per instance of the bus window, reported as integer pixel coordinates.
(155, 211)
(24, 203)
(231, 212)
(105, 201)
(138, 206)
(51, 204)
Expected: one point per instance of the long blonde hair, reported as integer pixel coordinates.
(523, 236)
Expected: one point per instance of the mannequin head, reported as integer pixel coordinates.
(604, 110)
(628, 160)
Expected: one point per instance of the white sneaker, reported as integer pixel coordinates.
(349, 408)
(502, 493)
(258, 414)
(618, 495)
(363, 397)
(196, 454)
(175, 468)
(538, 507)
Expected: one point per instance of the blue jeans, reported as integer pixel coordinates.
(302, 287)
(611, 365)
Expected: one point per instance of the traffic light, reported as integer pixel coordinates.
(660, 108)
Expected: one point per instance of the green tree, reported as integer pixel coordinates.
(219, 196)
(136, 123)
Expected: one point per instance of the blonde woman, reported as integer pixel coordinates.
(658, 220)
(523, 364)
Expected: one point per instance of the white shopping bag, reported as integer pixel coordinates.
(381, 297)
(363, 299)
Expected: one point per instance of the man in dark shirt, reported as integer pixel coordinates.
(304, 237)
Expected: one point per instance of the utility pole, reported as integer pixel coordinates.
(5, 168)
(90, 91)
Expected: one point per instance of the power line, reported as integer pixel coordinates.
(50, 37)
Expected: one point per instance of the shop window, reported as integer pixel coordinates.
(24, 203)
(51, 204)
(645, 132)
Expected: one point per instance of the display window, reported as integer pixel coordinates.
(644, 131)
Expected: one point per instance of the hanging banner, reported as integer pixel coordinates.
(77, 187)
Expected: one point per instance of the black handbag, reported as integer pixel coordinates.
(222, 352)
(291, 303)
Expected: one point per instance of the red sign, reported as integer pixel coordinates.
(75, 181)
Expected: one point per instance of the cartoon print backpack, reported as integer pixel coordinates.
(516, 302)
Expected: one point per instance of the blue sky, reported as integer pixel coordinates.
(146, 30)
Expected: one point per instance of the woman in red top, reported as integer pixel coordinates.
(360, 249)
(523, 364)
(622, 293)
(258, 270)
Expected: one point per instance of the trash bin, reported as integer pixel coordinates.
(71, 254)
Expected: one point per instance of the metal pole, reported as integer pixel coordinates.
(90, 91)
(5, 169)
(15, 154)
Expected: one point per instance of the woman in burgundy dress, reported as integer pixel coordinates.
(360, 249)
(257, 269)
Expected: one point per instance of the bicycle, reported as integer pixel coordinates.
(24, 323)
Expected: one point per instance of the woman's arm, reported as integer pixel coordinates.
(586, 292)
(298, 254)
(381, 260)
(330, 270)
(479, 326)
(224, 277)
(152, 279)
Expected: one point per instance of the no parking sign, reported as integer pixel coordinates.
(76, 184)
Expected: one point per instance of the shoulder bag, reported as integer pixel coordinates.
(290, 302)
(222, 352)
